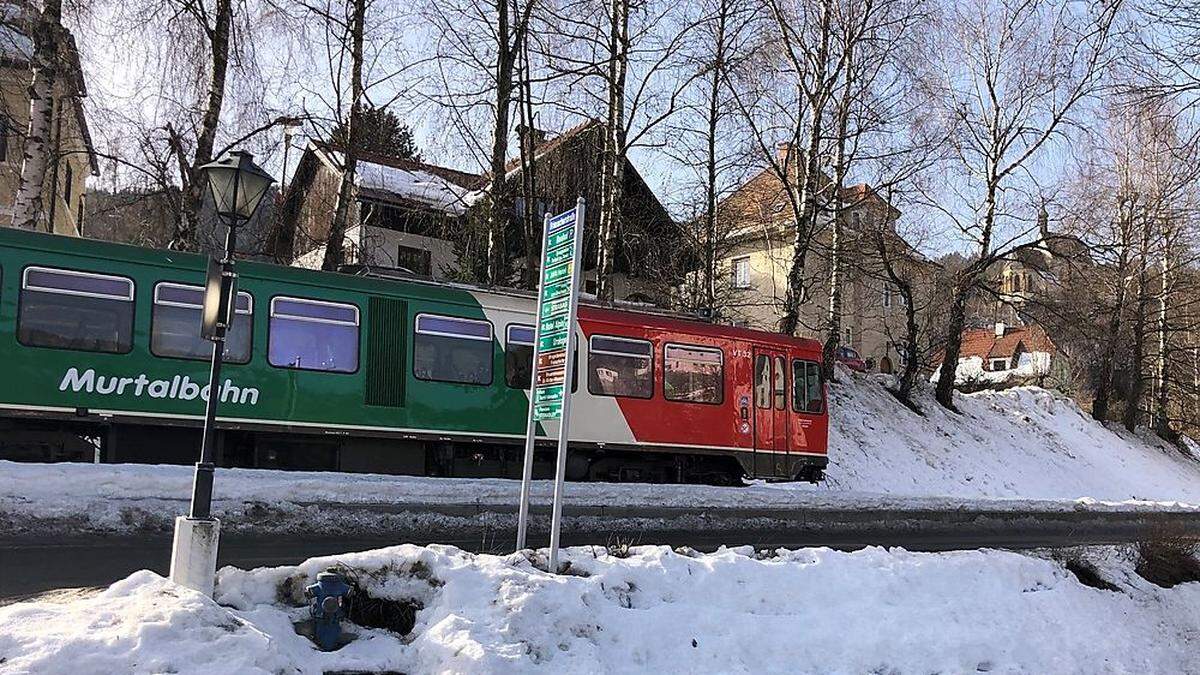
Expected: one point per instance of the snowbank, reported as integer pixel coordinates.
(805, 611)
(1020, 449)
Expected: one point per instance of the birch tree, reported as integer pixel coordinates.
(46, 63)
(1009, 77)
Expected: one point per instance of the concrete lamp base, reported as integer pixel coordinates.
(194, 553)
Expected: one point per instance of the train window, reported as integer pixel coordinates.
(620, 366)
(66, 309)
(518, 356)
(518, 359)
(693, 374)
(313, 335)
(175, 324)
(808, 391)
(451, 349)
(780, 384)
(762, 381)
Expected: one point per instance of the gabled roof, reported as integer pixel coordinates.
(551, 144)
(983, 343)
(395, 179)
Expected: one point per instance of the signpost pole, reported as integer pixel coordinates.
(565, 425)
(531, 423)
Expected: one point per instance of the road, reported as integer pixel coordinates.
(32, 565)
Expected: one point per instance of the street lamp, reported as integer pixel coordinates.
(238, 186)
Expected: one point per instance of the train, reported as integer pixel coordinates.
(383, 373)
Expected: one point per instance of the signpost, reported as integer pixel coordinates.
(553, 358)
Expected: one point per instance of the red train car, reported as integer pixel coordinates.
(659, 387)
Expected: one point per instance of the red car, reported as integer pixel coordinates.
(850, 358)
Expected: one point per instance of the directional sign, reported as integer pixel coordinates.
(553, 354)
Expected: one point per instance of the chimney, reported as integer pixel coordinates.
(1000, 327)
(536, 135)
(782, 150)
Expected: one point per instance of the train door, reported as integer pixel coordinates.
(770, 412)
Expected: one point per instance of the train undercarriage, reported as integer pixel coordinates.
(86, 440)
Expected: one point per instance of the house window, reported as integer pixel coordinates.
(313, 335)
(693, 374)
(68, 184)
(452, 349)
(741, 273)
(415, 260)
(175, 325)
(66, 309)
(848, 336)
(999, 364)
(887, 296)
(4, 128)
(620, 366)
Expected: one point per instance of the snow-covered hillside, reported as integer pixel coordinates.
(1023, 442)
(657, 610)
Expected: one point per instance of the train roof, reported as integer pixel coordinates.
(365, 278)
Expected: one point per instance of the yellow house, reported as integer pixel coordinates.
(73, 158)
(758, 235)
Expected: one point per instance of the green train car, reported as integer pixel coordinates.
(103, 360)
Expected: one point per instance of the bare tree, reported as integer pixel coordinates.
(1009, 77)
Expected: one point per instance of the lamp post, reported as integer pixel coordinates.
(238, 186)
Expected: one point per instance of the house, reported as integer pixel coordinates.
(73, 156)
(1024, 282)
(405, 213)
(418, 217)
(758, 234)
(1004, 355)
(649, 258)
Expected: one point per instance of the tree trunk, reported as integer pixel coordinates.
(944, 390)
(710, 163)
(1100, 402)
(1136, 384)
(911, 348)
(29, 206)
(794, 295)
(194, 182)
(614, 172)
(498, 211)
(528, 143)
(1162, 421)
(335, 245)
(833, 322)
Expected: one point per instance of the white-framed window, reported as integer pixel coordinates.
(619, 366)
(175, 324)
(453, 349)
(693, 374)
(70, 309)
(999, 364)
(308, 334)
(740, 272)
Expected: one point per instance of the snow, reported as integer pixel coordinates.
(971, 371)
(655, 610)
(1019, 449)
(419, 186)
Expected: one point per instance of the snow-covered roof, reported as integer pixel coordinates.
(416, 185)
